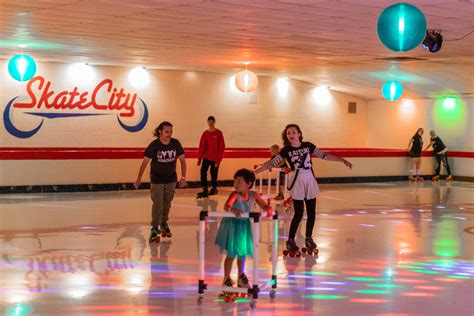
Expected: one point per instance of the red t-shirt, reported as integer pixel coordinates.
(211, 146)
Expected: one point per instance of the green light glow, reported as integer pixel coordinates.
(373, 292)
(319, 273)
(449, 115)
(30, 44)
(423, 271)
(363, 279)
(463, 277)
(446, 241)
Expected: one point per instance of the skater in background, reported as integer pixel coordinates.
(440, 152)
(235, 233)
(275, 150)
(163, 153)
(302, 185)
(415, 146)
(211, 151)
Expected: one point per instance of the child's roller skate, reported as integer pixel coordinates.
(243, 282)
(292, 249)
(310, 247)
(411, 179)
(435, 179)
(449, 178)
(213, 191)
(165, 230)
(202, 195)
(154, 235)
(419, 179)
(228, 296)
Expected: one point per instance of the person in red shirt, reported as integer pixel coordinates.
(211, 150)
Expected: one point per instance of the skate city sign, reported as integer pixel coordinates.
(104, 99)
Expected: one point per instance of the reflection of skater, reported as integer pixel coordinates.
(440, 152)
(213, 255)
(211, 150)
(235, 233)
(414, 151)
(302, 185)
(163, 153)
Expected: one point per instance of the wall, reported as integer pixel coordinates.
(185, 99)
(392, 124)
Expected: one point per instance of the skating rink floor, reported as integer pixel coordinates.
(385, 249)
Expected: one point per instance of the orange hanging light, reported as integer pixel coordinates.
(246, 80)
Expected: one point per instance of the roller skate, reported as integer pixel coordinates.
(449, 178)
(419, 179)
(213, 191)
(288, 202)
(435, 179)
(411, 179)
(228, 296)
(292, 249)
(165, 230)
(243, 282)
(202, 195)
(310, 247)
(279, 197)
(154, 235)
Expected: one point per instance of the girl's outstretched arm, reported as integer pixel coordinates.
(263, 205)
(324, 155)
(339, 159)
(270, 164)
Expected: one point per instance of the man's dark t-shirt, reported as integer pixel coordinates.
(163, 160)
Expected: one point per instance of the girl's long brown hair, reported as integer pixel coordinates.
(286, 141)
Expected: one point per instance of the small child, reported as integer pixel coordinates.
(235, 233)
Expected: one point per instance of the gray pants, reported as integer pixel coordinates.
(161, 195)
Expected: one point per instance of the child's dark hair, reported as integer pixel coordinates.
(160, 127)
(248, 176)
(286, 141)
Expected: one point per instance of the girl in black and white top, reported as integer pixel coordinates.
(415, 146)
(303, 186)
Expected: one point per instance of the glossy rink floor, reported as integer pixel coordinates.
(385, 249)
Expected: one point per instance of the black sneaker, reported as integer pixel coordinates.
(213, 191)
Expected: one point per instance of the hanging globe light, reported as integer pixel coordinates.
(246, 81)
(22, 67)
(392, 90)
(401, 27)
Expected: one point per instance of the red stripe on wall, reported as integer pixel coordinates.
(80, 153)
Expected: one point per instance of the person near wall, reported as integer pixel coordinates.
(302, 185)
(163, 153)
(440, 152)
(211, 151)
(415, 146)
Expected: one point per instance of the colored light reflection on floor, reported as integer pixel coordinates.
(373, 292)
(325, 297)
(363, 279)
(417, 294)
(369, 300)
(319, 273)
(385, 286)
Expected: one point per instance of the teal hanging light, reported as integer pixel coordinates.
(392, 90)
(22, 67)
(401, 27)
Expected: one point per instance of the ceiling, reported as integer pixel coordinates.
(319, 41)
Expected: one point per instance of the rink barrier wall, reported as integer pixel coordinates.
(66, 169)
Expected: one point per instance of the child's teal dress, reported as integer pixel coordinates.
(235, 234)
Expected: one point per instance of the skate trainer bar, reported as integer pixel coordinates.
(254, 289)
